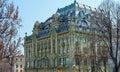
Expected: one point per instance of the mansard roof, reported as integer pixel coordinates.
(74, 12)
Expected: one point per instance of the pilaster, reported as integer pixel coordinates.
(72, 42)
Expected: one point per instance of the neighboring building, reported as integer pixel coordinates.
(65, 42)
(19, 63)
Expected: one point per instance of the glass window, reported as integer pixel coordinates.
(16, 70)
(16, 59)
(84, 40)
(20, 66)
(16, 66)
(85, 51)
(20, 59)
(39, 63)
(64, 50)
(67, 61)
(68, 50)
(61, 62)
(77, 62)
(85, 61)
(60, 50)
(20, 70)
(28, 64)
(92, 62)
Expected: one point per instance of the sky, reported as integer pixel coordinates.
(31, 11)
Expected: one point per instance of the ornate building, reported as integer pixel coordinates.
(65, 42)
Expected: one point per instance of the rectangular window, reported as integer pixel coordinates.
(92, 62)
(20, 59)
(16, 70)
(16, 66)
(68, 50)
(77, 62)
(61, 61)
(16, 59)
(67, 61)
(20, 70)
(64, 50)
(85, 61)
(84, 40)
(20, 66)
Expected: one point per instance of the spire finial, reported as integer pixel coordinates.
(74, 1)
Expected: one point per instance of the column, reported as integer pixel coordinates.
(56, 44)
(71, 43)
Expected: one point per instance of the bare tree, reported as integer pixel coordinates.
(108, 22)
(9, 24)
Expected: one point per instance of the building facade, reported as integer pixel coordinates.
(68, 41)
(19, 63)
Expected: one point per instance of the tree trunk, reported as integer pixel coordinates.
(116, 68)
